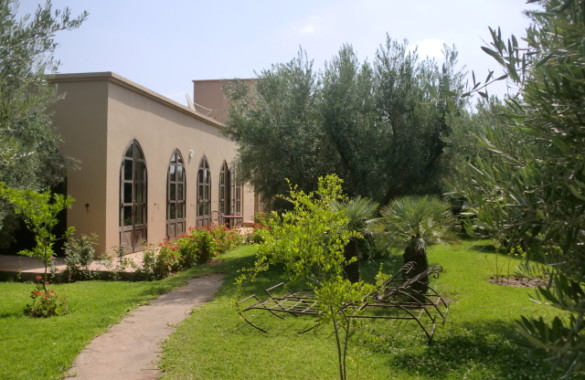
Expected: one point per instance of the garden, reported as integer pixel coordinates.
(307, 245)
(479, 340)
(506, 231)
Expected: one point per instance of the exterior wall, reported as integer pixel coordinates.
(210, 95)
(81, 119)
(122, 112)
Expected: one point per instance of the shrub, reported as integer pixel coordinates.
(257, 235)
(206, 245)
(225, 238)
(148, 269)
(46, 303)
(79, 254)
(168, 259)
(189, 247)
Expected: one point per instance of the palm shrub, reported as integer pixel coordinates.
(415, 223)
(360, 214)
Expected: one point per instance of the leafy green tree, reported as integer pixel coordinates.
(309, 241)
(487, 150)
(539, 193)
(41, 215)
(415, 223)
(416, 101)
(29, 155)
(378, 126)
(275, 124)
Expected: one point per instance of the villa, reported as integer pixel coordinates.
(148, 167)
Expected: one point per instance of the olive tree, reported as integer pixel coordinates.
(29, 154)
(379, 126)
(535, 185)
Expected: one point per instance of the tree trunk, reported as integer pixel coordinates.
(352, 270)
(419, 256)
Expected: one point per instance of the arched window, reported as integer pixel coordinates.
(236, 199)
(176, 196)
(203, 194)
(224, 194)
(133, 182)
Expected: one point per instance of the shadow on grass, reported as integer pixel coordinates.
(14, 314)
(490, 349)
(484, 247)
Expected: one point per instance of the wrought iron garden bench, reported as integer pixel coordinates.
(395, 299)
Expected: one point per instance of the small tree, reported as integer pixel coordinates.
(40, 211)
(416, 223)
(309, 241)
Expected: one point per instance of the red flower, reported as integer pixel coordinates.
(38, 278)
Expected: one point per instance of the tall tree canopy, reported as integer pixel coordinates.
(379, 126)
(29, 155)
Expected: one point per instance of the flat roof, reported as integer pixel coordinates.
(132, 86)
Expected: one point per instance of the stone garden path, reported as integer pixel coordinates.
(130, 350)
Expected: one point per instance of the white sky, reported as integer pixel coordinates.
(165, 45)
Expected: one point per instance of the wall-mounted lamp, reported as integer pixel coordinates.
(87, 207)
(191, 153)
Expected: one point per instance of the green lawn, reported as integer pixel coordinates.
(479, 340)
(46, 348)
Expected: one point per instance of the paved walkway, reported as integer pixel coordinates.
(25, 264)
(130, 350)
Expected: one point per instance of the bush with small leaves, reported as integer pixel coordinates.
(45, 303)
(79, 254)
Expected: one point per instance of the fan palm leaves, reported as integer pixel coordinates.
(360, 213)
(420, 221)
(415, 223)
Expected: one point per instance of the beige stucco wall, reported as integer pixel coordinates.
(81, 119)
(100, 116)
(210, 94)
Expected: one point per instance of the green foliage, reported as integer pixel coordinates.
(309, 242)
(45, 303)
(360, 214)
(538, 181)
(478, 341)
(41, 215)
(225, 238)
(197, 247)
(147, 270)
(29, 154)
(168, 259)
(206, 245)
(309, 239)
(79, 254)
(378, 126)
(420, 221)
(94, 306)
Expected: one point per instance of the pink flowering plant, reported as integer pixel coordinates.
(45, 302)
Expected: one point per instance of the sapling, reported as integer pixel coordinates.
(309, 241)
(40, 211)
